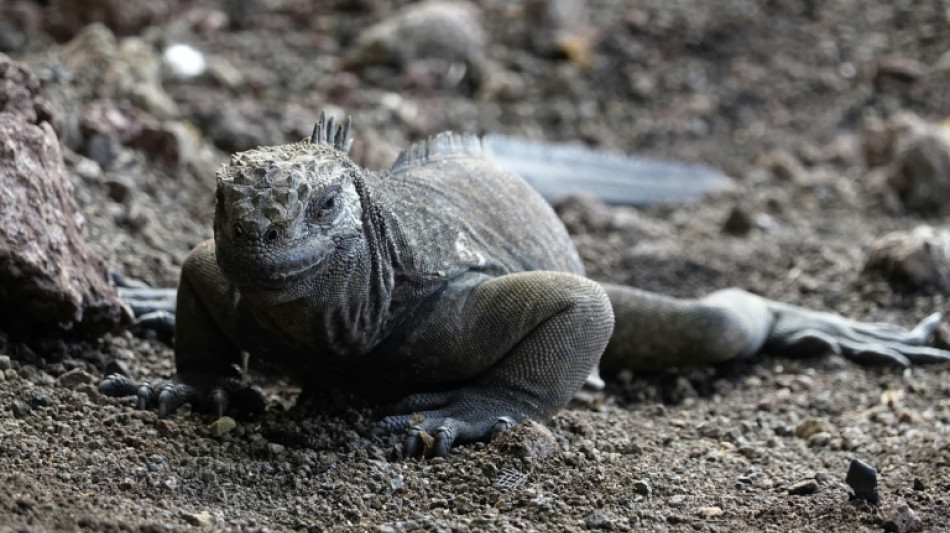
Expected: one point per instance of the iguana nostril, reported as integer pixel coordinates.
(238, 231)
(272, 234)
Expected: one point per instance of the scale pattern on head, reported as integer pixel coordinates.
(264, 194)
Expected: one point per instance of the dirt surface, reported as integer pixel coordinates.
(776, 94)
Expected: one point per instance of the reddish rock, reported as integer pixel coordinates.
(48, 276)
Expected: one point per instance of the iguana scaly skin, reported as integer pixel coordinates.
(449, 280)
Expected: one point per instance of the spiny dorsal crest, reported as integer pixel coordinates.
(324, 133)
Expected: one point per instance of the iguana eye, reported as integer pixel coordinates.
(324, 206)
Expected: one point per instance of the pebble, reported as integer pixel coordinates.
(808, 486)
(711, 511)
(677, 501)
(738, 223)
(75, 377)
(819, 440)
(5, 363)
(528, 439)
(642, 487)
(198, 519)
(811, 426)
(222, 425)
(902, 519)
(862, 478)
(166, 428)
(184, 61)
(598, 520)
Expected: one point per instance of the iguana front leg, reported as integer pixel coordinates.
(521, 344)
(655, 332)
(208, 363)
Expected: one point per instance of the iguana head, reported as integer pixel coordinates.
(283, 212)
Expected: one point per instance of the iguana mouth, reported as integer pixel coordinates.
(268, 268)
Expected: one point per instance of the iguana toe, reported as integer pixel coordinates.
(229, 395)
(117, 385)
(173, 396)
(146, 396)
(803, 332)
(434, 433)
(503, 424)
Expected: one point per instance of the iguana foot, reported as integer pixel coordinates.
(228, 396)
(801, 332)
(436, 422)
(154, 309)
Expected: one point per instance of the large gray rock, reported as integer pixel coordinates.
(911, 158)
(49, 278)
(919, 258)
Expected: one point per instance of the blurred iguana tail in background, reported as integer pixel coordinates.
(556, 170)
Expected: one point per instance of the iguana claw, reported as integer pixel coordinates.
(503, 424)
(229, 396)
(436, 422)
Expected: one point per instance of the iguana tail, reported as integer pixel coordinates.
(556, 170)
(654, 332)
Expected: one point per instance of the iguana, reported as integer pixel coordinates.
(450, 281)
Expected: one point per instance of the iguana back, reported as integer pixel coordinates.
(454, 211)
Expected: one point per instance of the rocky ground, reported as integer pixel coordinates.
(808, 105)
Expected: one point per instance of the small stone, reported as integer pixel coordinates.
(801, 488)
(10, 373)
(38, 401)
(231, 131)
(184, 61)
(222, 425)
(598, 520)
(275, 449)
(862, 478)
(899, 67)
(166, 428)
(677, 500)
(528, 439)
(5, 363)
(12, 38)
(919, 484)
(902, 519)
(75, 377)
(118, 367)
(642, 487)
(785, 166)
(811, 426)
(738, 222)
(819, 440)
(198, 519)
(709, 512)
(583, 212)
